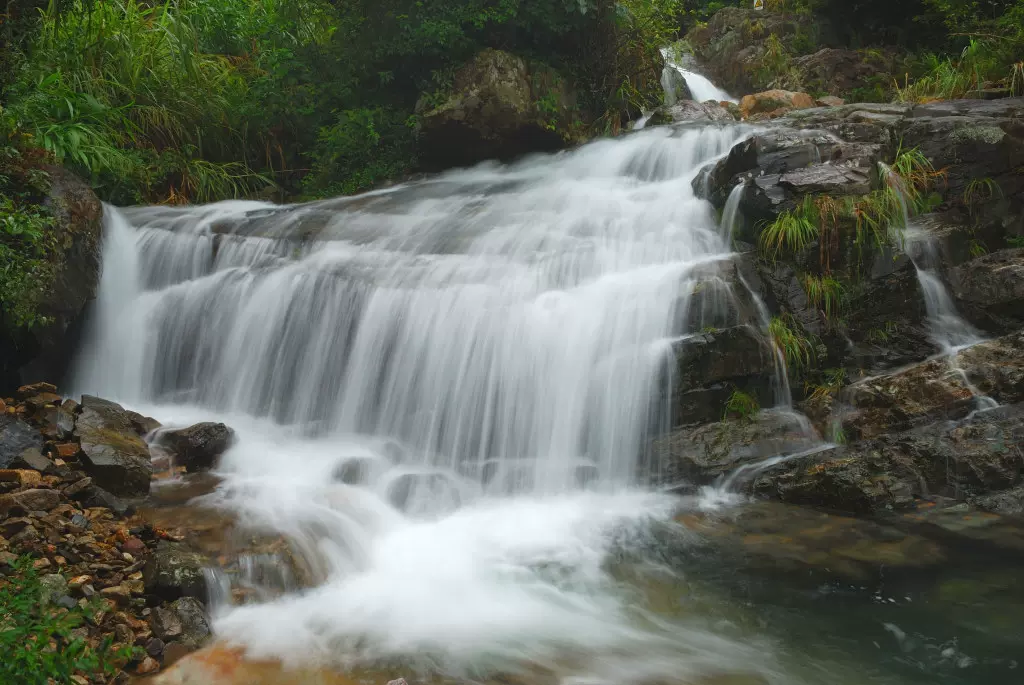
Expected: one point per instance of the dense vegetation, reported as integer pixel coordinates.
(198, 100)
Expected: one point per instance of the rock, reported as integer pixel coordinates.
(424, 492)
(32, 459)
(38, 500)
(173, 571)
(112, 452)
(688, 110)
(66, 419)
(16, 436)
(143, 425)
(829, 101)
(955, 459)
(674, 86)
(147, 665)
(23, 477)
(53, 587)
(33, 389)
(771, 101)
(710, 366)
(991, 289)
(165, 624)
(493, 113)
(936, 389)
(701, 455)
(155, 647)
(838, 71)
(195, 629)
(198, 447)
(45, 350)
(1006, 503)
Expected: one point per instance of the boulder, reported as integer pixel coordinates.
(45, 350)
(16, 437)
(674, 86)
(499, 108)
(775, 101)
(113, 454)
(174, 571)
(710, 366)
(700, 455)
(990, 289)
(838, 71)
(424, 493)
(688, 110)
(195, 628)
(829, 101)
(198, 447)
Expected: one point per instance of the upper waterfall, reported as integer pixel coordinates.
(487, 315)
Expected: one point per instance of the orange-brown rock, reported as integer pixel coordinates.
(223, 665)
(774, 101)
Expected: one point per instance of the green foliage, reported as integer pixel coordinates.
(825, 294)
(1016, 241)
(37, 641)
(880, 336)
(795, 347)
(741, 405)
(831, 382)
(791, 231)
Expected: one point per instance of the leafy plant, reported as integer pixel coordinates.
(741, 405)
(1016, 241)
(37, 641)
(796, 348)
(832, 382)
(825, 294)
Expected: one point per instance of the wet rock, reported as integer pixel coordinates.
(173, 571)
(32, 459)
(703, 454)
(422, 492)
(991, 289)
(155, 647)
(838, 71)
(1006, 503)
(353, 471)
(165, 623)
(775, 101)
(956, 459)
(198, 447)
(938, 388)
(37, 499)
(195, 629)
(689, 110)
(829, 101)
(710, 366)
(674, 86)
(31, 389)
(112, 452)
(16, 436)
(143, 425)
(66, 419)
(492, 113)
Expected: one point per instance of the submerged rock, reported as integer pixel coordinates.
(112, 452)
(198, 447)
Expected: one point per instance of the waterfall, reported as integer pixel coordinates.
(701, 87)
(413, 374)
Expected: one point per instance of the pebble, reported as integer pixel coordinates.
(155, 647)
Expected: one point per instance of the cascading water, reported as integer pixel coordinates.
(701, 87)
(949, 331)
(414, 375)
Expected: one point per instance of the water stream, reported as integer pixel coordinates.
(443, 395)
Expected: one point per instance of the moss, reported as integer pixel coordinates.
(990, 135)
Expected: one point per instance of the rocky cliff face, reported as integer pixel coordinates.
(44, 351)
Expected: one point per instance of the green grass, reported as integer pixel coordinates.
(825, 294)
(831, 383)
(796, 348)
(37, 642)
(792, 231)
(741, 405)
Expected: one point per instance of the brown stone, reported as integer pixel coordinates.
(23, 477)
(830, 101)
(32, 389)
(148, 665)
(43, 400)
(133, 545)
(773, 101)
(38, 499)
(222, 665)
(67, 450)
(117, 593)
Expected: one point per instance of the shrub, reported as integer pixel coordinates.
(741, 405)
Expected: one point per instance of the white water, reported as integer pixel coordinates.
(701, 87)
(484, 351)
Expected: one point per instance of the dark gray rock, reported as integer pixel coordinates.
(1006, 503)
(701, 455)
(195, 628)
(991, 289)
(165, 624)
(174, 571)
(16, 437)
(198, 447)
(112, 452)
(689, 110)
